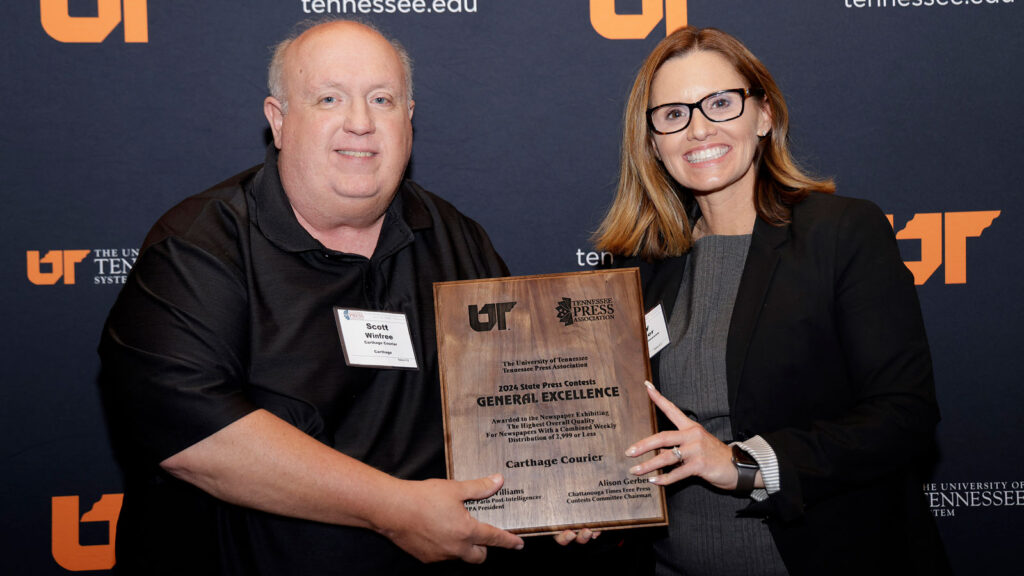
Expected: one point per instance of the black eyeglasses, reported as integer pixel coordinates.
(721, 106)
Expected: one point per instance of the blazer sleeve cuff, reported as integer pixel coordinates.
(762, 452)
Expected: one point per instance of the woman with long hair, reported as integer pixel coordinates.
(797, 393)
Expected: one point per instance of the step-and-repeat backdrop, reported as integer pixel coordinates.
(114, 110)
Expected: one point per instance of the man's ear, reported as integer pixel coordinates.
(412, 106)
(274, 111)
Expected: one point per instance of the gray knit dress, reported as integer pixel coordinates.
(705, 537)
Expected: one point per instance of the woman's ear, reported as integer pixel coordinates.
(764, 124)
(654, 146)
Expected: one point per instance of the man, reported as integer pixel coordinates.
(249, 443)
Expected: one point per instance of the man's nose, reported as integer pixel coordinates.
(358, 119)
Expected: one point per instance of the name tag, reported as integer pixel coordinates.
(375, 339)
(657, 330)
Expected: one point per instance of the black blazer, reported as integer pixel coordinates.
(827, 360)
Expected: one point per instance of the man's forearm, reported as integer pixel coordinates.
(263, 462)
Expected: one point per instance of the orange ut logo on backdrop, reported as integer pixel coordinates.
(65, 545)
(63, 27)
(616, 26)
(62, 265)
(947, 246)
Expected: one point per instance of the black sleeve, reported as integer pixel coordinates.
(881, 332)
(173, 351)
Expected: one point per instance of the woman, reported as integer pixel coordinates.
(796, 334)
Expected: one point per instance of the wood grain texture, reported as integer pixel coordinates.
(542, 381)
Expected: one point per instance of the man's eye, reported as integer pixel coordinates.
(381, 100)
(328, 100)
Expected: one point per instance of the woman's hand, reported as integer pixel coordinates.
(690, 449)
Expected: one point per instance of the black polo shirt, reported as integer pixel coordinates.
(229, 308)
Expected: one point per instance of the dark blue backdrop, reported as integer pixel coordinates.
(914, 104)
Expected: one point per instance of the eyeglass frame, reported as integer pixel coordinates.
(745, 92)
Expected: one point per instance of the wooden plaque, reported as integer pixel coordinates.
(542, 381)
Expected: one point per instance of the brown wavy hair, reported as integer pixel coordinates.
(650, 215)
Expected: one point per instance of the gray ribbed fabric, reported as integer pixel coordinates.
(704, 535)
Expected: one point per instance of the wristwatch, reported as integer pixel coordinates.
(747, 469)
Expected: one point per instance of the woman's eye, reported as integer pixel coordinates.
(675, 114)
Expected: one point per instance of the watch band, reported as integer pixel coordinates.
(747, 469)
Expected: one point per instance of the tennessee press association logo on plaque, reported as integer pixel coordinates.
(588, 310)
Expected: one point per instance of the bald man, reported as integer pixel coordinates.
(252, 439)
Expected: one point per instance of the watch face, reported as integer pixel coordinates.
(746, 467)
(741, 459)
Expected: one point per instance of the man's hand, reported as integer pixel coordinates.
(429, 520)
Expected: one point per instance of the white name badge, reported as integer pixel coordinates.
(657, 331)
(375, 339)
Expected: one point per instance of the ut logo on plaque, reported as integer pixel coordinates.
(949, 245)
(495, 314)
(65, 532)
(63, 27)
(61, 262)
(614, 26)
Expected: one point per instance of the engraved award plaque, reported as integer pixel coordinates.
(542, 381)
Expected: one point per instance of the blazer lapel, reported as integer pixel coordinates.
(661, 285)
(762, 259)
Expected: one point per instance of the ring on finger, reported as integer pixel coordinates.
(677, 454)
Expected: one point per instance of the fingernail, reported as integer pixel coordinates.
(653, 479)
(648, 384)
(520, 546)
(631, 451)
(634, 470)
(496, 478)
